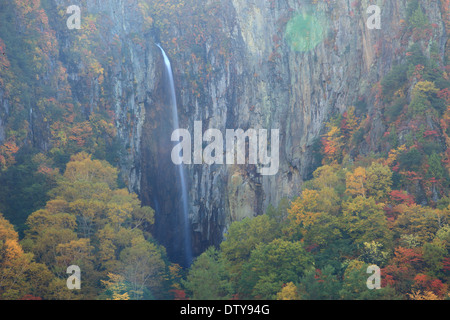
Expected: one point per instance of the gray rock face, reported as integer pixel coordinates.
(269, 81)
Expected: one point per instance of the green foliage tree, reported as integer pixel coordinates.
(143, 267)
(354, 285)
(270, 265)
(435, 166)
(423, 93)
(245, 236)
(364, 221)
(422, 222)
(208, 278)
(373, 254)
(320, 284)
(393, 81)
(433, 255)
(418, 19)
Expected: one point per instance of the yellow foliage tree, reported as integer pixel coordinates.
(427, 295)
(93, 224)
(289, 292)
(116, 287)
(356, 182)
(312, 217)
(19, 274)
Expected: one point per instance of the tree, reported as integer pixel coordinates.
(242, 237)
(326, 176)
(76, 252)
(350, 122)
(82, 168)
(288, 292)
(333, 145)
(379, 181)
(271, 265)
(401, 198)
(423, 92)
(419, 295)
(208, 278)
(116, 288)
(47, 230)
(433, 256)
(418, 19)
(423, 222)
(364, 221)
(427, 284)
(280, 213)
(319, 284)
(354, 284)
(435, 167)
(143, 268)
(393, 81)
(402, 268)
(312, 217)
(89, 213)
(19, 274)
(91, 223)
(373, 254)
(356, 182)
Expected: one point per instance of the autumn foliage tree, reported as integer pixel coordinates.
(91, 223)
(20, 275)
(332, 145)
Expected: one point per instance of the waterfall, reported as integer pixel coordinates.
(184, 193)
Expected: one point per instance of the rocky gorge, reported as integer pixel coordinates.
(288, 65)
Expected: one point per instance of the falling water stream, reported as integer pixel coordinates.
(184, 195)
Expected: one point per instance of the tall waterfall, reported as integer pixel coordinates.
(184, 193)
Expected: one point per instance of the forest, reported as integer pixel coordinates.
(64, 201)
